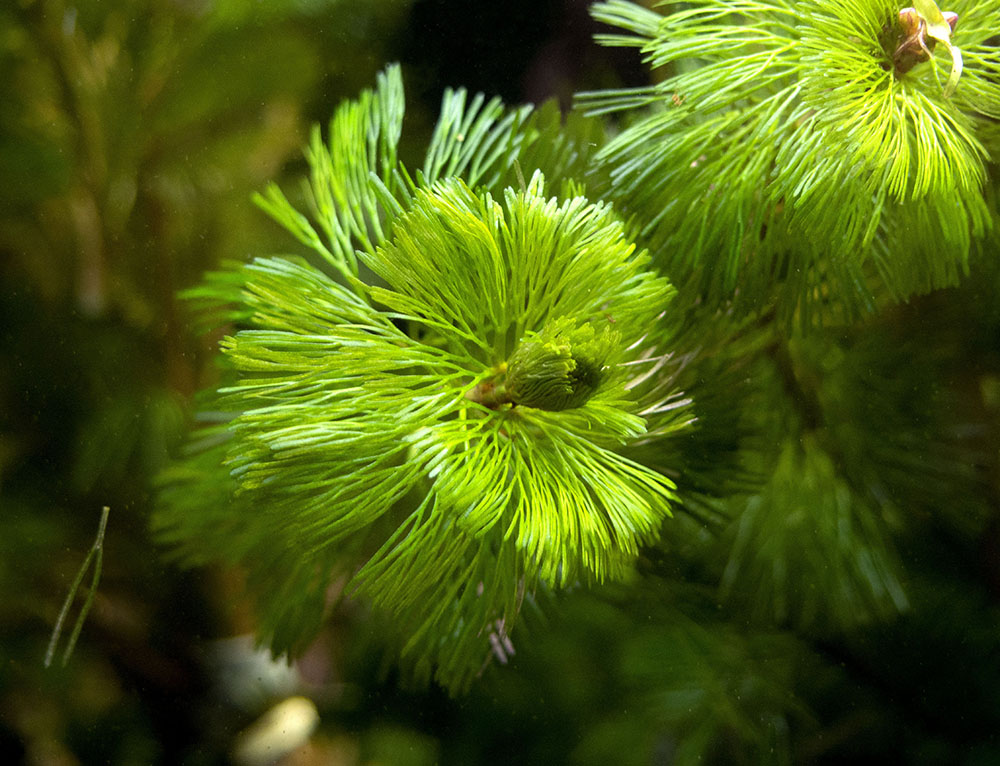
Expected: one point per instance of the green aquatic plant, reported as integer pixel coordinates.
(390, 461)
(805, 154)
(438, 405)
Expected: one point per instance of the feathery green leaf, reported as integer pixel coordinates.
(784, 139)
(359, 433)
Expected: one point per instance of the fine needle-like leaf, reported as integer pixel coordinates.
(95, 554)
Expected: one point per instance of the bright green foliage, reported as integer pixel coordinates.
(343, 194)
(362, 423)
(788, 157)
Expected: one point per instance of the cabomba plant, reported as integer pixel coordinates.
(443, 397)
(825, 157)
(468, 391)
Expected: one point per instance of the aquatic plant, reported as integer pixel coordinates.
(440, 399)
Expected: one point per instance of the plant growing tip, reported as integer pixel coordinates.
(556, 369)
(919, 23)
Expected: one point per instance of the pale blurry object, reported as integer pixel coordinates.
(247, 675)
(282, 729)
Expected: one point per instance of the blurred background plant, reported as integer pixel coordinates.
(132, 136)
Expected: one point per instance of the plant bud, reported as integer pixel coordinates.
(559, 368)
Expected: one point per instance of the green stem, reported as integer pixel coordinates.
(490, 394)
(96, 554)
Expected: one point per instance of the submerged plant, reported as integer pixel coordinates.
(806, 146)
(444, 402)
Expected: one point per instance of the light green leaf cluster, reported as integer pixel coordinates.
(344, 185)
(358, 427)
(783, 143)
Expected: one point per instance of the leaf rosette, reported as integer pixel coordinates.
(819, 145)
(447, 408)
